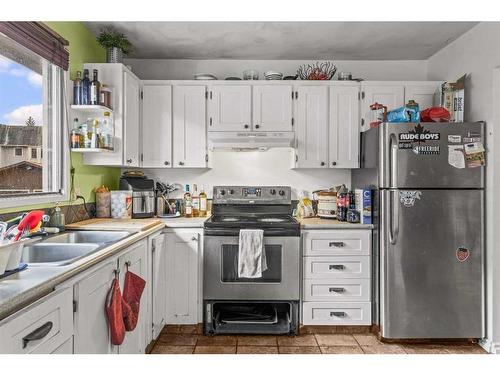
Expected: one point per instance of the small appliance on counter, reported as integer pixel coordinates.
(143, 194)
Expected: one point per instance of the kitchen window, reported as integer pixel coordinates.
(32, 116)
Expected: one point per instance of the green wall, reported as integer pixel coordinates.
(83, 48)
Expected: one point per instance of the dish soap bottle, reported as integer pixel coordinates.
(188, 203)
(57, 219)
(196, 201)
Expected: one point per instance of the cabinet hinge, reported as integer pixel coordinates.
(210, 94)
(75, 304)
(292, 95)
(362, 94)
(206, 158)
(210, 121)
(153, 248)
(362, 121)
(296, 158)
(206, 94)
(293, 121)
(142, 95)
(142, 157)
(296, 94)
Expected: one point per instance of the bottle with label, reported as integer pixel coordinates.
(203, 202)
(188, 203)
(342, 204)
(75, 135)
(107, 131)
(196, 201)
(85, 87)
(77, 89)
(95, 90)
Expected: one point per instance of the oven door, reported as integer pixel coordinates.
(279, 282)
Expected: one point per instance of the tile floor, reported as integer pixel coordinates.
(189, 340)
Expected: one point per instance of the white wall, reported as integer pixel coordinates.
(477, 53)
(185, 69)
(254, 168)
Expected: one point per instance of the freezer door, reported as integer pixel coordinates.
(431, 247)
(425, 155)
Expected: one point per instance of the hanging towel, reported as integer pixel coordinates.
(114, 312)
(251, 254)
(132, 292)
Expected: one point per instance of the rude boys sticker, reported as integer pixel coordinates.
(414, 139)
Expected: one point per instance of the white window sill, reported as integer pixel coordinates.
(19, 201)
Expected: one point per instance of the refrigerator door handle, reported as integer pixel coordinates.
(393, 172)
(393, 216)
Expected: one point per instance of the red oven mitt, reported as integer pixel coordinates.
(114, 312)
(132, 292)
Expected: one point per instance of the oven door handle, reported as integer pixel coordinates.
(339, 267)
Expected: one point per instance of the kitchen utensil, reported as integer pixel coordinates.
(318, 71)
(5, 251)
(29, 222)
(435, 114)
(170, 216)
(344, 76)
(205, 76)
(114, 311)
(232, 79)
(15, 255)
(250, 74)
(289, 78)
(132, 291)
(272, 75)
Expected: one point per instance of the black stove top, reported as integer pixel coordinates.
(254, 221)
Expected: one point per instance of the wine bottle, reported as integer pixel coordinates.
(95, 90)
(77, 89)
(85, 87)
(188, 203)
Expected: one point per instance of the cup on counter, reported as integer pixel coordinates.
(121, 204)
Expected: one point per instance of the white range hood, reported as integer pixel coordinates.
(249, 141)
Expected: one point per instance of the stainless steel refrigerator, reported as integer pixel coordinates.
(428, 241)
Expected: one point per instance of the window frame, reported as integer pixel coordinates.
(16, 149)
(56, 86)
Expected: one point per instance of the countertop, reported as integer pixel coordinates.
(25, 287)
(184, 222)
(319, 223)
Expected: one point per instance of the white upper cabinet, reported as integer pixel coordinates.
(312, 127)
(230, 108)
(189, 127)
(391, 95)
(344, 126)
(426, 94)
(272, 108)
(156, 126)
(131, 119)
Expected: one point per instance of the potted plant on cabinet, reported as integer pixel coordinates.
(116, 45)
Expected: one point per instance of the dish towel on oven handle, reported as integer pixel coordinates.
(251, 254)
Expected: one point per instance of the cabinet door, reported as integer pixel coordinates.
(344, 127)
(135, 260)
(90, 323)
(156, 126)
(182, 277)
(272, 108)
(131, 120)
(189, 133)
(158, 284)
(391, 96)
(230, 108)
(424, 94)
(312, 127)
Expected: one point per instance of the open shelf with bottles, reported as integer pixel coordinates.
(90, 109)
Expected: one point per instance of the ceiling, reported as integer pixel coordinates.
(287, 40)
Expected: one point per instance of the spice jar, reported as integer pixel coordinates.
(105, 98)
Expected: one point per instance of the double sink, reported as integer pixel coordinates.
(66, 248)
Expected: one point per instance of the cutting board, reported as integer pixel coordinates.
(115, 224)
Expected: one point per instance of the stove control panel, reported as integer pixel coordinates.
(252, 195)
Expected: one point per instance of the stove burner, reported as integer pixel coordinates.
(271, 220)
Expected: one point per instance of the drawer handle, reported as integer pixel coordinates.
(37, 334)
(338, 314)
(337, 290)
(336, 244)
(336, 267)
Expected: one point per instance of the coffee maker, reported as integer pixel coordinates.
(143, 195)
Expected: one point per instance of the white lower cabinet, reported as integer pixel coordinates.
(337, 277)
(158, 284)
(40, 328)
(183, 248)
(90, 322)
(65, 348)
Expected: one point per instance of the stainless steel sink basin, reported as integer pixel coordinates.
(82, 236)
(57, 254)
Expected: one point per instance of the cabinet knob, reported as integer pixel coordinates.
(167, 163)
(334, 163)
(129, 161)
(246, 126)
(257, 126)
(322, 163)
(194, 238)
(181, 163)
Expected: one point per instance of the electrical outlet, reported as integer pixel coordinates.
(78, 191)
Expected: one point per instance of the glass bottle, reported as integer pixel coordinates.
(75, 135)
(188, 203)
(95, 88)
(107, 131)
(85, 87)
(203, 202)
(196, 201)
(77, 89)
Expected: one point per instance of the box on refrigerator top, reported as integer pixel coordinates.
(363, 199)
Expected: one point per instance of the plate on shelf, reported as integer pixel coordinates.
(205, 76)
(170, 216)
